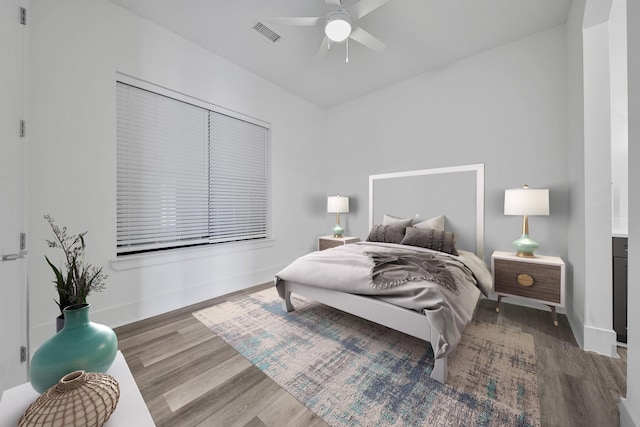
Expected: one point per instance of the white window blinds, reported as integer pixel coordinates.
(239, 176)
(187, 175)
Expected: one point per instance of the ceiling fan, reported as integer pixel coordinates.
(340, 24)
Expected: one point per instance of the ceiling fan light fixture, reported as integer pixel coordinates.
(338, 26)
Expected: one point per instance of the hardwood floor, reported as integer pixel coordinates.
(188, 376)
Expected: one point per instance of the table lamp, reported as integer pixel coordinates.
(337, 204)
(526, 201)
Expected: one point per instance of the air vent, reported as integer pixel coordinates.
(266, 32)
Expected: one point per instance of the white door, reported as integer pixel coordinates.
(13, 287)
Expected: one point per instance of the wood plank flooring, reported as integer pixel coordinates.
(190, 377)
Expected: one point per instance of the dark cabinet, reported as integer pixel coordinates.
(620, 287)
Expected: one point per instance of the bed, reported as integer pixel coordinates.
(426, 287)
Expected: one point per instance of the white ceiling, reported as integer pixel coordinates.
(420, 35)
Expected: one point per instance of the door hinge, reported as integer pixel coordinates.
(23, 354)
(23, 241)
(23, 16)
(23, 128)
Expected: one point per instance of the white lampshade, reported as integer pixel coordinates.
(338, 26)
(526, 201)
(337, 204)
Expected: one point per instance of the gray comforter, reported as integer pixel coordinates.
(348, 269)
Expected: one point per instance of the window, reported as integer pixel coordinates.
(187, 174)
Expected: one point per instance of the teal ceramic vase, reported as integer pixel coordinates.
(80, 345)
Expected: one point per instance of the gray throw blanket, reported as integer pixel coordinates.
(392, 269)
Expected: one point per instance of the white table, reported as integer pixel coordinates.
(130, 411)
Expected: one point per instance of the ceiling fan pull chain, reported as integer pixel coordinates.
(347, 57)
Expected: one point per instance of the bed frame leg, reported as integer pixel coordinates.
(440, 370)
(286, 302)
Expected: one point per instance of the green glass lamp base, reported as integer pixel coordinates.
(525, 246)
(338, 231)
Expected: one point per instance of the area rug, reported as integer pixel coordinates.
(352, 372)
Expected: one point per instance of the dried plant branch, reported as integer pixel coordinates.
(81, 278)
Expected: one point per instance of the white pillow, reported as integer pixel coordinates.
(392, 220)
(436, 223)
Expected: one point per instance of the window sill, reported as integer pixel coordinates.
(129, 262)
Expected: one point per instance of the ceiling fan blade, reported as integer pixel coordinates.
(308, 21)
(333, 4)
(364, 7)
(324, 48)
(366, 39)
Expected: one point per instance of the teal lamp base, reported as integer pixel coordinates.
(338, 231)
(525, 246)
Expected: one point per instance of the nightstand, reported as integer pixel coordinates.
(326, 242)
(539, 278)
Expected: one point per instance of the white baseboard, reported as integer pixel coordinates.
(600, 340)
(625, 415)
(577, 328)
(590, 338)
(158, 304)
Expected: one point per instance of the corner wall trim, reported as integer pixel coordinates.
(625, 415)
(576, 327)
(602, 341)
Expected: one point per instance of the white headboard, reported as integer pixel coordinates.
(456, 191)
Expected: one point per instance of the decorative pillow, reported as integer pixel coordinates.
(430, 238)
(436, 223)
(392, 220)
(386, 233)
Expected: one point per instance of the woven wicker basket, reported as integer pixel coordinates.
(79, 399)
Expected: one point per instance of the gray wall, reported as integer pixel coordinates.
(506, 108)
(76, 49)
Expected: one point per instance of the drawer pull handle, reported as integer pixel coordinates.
(525, 280)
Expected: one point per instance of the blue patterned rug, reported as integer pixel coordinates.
(352, 372)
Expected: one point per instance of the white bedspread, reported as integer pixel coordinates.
(348, 269)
